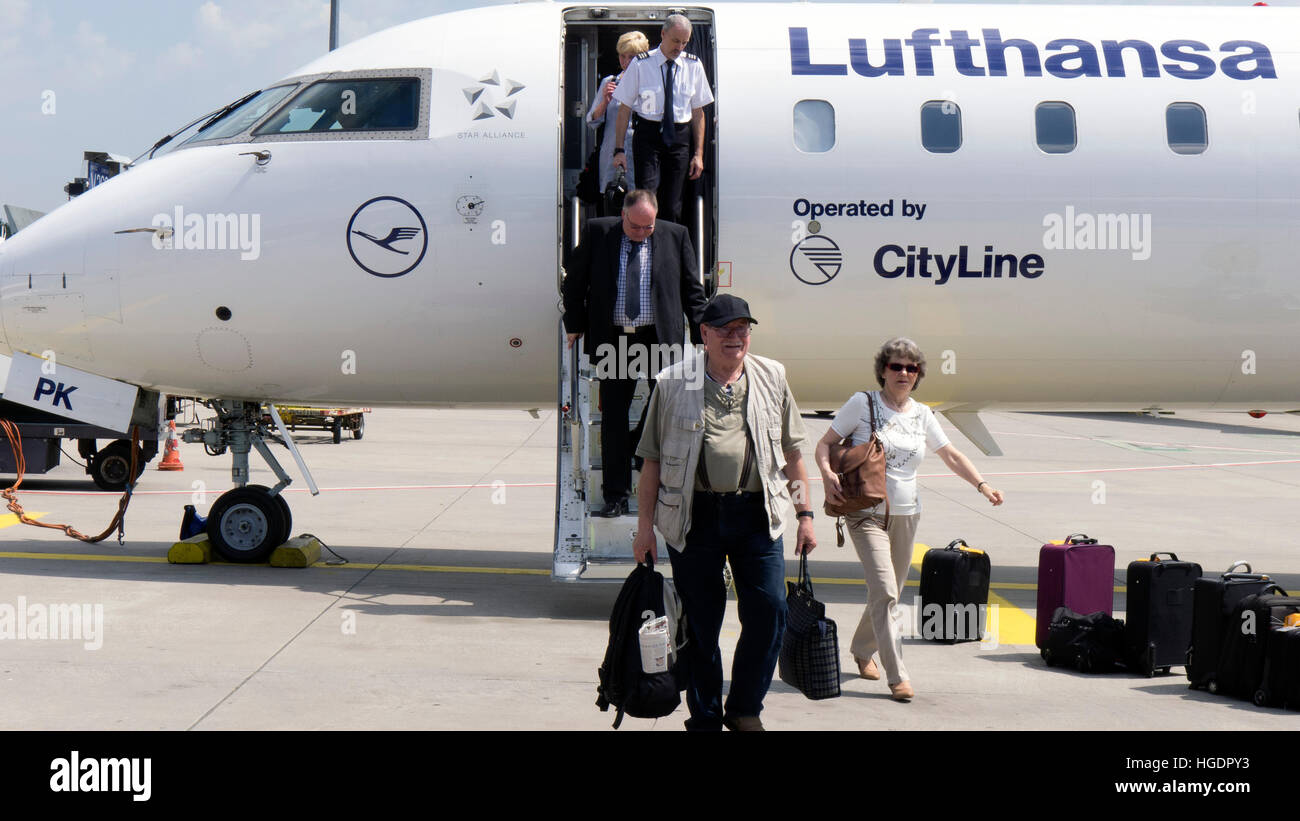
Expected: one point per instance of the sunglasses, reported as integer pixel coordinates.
(740, 331)
(898, 367)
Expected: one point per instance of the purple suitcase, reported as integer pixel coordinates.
(1079, 574)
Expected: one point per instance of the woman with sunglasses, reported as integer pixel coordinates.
(907, 428)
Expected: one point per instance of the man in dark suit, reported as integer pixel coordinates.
(632, 279)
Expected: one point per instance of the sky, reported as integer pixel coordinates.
(78, 75)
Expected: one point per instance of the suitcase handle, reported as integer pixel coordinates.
(1237, 564)
(1083, 540)
(1173, 556)
(953, 544)
(1274, 586)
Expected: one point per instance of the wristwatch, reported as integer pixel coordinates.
(618, 151)
(804, 513)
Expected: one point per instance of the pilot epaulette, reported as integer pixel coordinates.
(645, 55)
(690, 57)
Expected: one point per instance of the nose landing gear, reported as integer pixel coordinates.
(249, 521)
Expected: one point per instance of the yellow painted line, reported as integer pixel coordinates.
(100, 557)
(1015, 626)
(8, 519)
(85, 557)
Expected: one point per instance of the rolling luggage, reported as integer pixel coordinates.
(1281, 686)
(1213, 600)
(1079, 574)
(956, 579)
(1240, 671)
(1158, 628)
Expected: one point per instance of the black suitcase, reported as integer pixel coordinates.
(1158, 623)
(956, 579)
(1241, 662)
(1213, 600)
(1281, 687)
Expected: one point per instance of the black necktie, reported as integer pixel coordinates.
(633, 300)
(668, 123)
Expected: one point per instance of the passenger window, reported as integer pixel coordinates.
(814, 126)
(349, 105)
(1186, 129)
(1055, 128)
(941, 126)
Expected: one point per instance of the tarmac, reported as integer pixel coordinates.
(445, 616)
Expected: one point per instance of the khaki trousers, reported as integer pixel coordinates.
(886, 557)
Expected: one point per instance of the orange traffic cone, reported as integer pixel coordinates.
(172, 455)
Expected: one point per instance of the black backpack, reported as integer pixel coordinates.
(623, 684)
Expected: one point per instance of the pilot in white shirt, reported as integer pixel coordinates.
(664, 78)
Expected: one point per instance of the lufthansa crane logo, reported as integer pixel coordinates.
(387, 237)
(494, 96)
(816, 259)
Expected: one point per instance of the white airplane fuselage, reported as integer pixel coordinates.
(1193, 303)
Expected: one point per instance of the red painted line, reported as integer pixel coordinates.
(493, 486)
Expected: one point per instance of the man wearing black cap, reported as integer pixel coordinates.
(722, 466)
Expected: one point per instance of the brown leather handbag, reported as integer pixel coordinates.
(861, 471)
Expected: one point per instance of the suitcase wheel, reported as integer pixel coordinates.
(1213, 686)
(1047, 657)
(1083, 664)
(1164, 671)
(1261, 697)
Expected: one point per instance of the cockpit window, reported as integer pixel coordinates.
(242, 116)
(374, 104)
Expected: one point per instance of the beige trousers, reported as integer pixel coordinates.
(886, 557)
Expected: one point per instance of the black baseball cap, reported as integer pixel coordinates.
(725, 308)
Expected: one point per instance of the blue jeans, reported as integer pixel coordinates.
(730, 528)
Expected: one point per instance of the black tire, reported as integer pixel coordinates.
(247, 523)
(360, 429)
(338, 431)
(288, 518)
(111, 467)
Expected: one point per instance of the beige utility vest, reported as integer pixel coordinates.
(681, 431)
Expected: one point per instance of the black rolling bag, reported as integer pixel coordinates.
(1090, 644)
(1213, 600)
(1241, 663)
(1158, 624)
(1281, 687)
(956, 579)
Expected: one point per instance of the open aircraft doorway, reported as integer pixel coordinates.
(588, 546)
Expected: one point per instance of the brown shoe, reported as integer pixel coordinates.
(867, 669)
(743, 724)
(902, 691)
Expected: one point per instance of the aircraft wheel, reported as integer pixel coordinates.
(111, 467)
(247, 523)
(338, 431)
(360, 429)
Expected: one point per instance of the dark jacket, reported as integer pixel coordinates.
(592, 281)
